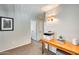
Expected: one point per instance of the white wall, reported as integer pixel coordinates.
(68, 18)
(22, 33)
(68, 22)
(33, 28)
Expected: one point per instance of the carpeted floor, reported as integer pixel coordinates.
(31, 49)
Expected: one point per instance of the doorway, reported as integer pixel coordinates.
(33, 29)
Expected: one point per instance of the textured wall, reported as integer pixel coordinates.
(21, 34)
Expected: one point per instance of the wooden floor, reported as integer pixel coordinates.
(31, 49)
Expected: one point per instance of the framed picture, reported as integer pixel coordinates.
(6, 24)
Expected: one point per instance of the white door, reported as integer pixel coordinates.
(33, 29)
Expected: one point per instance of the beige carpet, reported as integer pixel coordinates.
(31, 49)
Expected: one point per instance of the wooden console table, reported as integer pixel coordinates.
(66, 46)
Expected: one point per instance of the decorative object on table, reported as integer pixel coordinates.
(75, 41)
(52, 33)
(61, 39)
(49, 35)
(6, 24)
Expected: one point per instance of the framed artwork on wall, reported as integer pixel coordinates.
(6, 24)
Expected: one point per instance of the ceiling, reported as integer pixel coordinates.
(32, 9)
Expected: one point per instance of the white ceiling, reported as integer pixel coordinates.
(33, 9)
(49, 7)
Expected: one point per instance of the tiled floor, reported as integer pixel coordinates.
(31, 49)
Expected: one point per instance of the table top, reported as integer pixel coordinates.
(63, 46)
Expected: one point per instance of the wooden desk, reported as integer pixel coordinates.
(66, 47)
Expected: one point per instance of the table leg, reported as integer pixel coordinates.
(42, 47)
(48, 47)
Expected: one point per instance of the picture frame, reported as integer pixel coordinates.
(6, 24)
